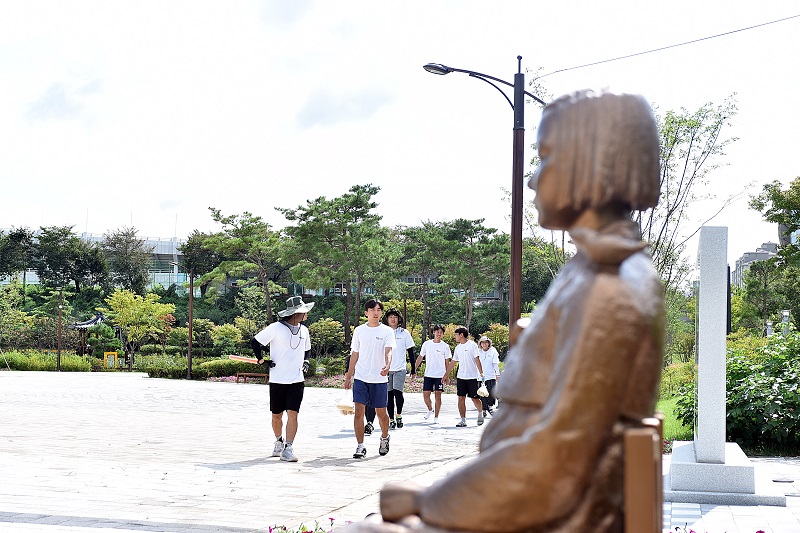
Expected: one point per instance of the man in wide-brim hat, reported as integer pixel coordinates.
(290, 350)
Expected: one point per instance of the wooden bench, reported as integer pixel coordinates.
(644, 492)
(245, 375)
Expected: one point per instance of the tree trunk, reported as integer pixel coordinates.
(262, 276)
(348, 311)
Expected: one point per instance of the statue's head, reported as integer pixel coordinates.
(596, 151)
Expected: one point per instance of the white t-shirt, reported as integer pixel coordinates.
(370, 344)
(404, 341)
(436, 355)
(287, 350)
(490, 361)
(465, 354)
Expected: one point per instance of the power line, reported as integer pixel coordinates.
(667, 47)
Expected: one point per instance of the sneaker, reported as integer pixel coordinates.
(480, 418)
(278, 449)
(462, 424)
(368, 428)
(361, 452)
(399, 421)
(384, 448)
(435, 420)
(428, 415)
(288, 454)
(485, 414)
(392, 424)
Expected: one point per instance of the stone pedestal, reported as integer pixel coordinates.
(734, 482)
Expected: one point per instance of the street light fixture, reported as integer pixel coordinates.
(518, 106)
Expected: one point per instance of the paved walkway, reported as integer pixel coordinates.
(95, 452)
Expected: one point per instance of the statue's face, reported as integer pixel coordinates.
(547, 182)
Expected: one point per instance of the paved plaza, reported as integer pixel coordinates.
(96, 452)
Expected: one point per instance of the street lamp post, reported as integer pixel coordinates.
(60, 312)
(518, 106)
(191, 318)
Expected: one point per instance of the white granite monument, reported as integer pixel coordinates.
(708, 469)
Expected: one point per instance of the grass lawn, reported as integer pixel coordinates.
(673, 429)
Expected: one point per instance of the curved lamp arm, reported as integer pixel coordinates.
(441, 70)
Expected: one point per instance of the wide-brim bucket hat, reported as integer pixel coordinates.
(485, 338)
(294, 305)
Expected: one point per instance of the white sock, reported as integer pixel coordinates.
(435, 419)
(288, 443)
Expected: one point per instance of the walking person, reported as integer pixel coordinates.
(370, 360)
(397, 372)
(469, 376)
(290, 349)
(436, 354)
(490, 361)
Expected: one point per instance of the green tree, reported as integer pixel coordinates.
(201, 333)
(128, 259)
(481, 259)
(251, 304)
(61, 258)
(250, 247)
(691, 143)
(199, 256)
(541, 261)
(336, 242)
(783, 208)
(16, 249)
(227, 339)
(425, 255)
(327, 336)
(12, 319)
(138, 317)
(760, 284)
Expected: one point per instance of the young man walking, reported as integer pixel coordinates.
(469, 376)
(436, 354)
(370, 360)
(397, 372)
(290, 349)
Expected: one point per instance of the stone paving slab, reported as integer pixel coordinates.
(99, 452)
(125, 452)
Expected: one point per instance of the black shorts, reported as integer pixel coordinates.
(467, 387)
(432, 384)
(285, 396)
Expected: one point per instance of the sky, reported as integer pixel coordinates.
(146, 113)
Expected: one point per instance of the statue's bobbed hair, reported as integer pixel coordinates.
(606, 149)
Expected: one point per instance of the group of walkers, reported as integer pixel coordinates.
(376, 372)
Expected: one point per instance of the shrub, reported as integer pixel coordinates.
(763, 401)
(674, 377)
(227, 339)
(498, 334)
(228, 367)
(327, 336)
(35, 360)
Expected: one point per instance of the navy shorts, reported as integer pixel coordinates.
(467, 387)
(376, 395)
(432, 384)
(285, 397)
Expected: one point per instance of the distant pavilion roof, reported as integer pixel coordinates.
(98, 318)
